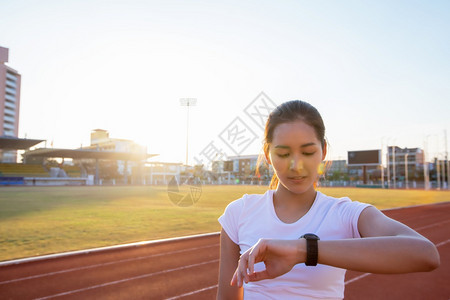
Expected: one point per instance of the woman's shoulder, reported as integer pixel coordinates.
(325, 197)
(257, 197)
(339, 202)
(248, 200)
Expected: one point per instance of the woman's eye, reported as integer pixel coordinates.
(283, 155)
(308, 153)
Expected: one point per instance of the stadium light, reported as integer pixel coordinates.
(446, 160)
(426, 177)
(187, 102)
(381, 163)
(406, 171)
(393, 167)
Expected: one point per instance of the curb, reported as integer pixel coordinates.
(100, 249)
(418, 205)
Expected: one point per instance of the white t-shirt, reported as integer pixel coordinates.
(252, 217)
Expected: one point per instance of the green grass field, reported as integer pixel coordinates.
(42, 220)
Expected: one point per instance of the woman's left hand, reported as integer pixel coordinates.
(279, 256)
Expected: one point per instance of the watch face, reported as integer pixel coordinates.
(311, 236)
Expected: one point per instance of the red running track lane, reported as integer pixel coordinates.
(433, 222)
(187, 268)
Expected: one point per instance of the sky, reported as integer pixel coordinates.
(377, 71)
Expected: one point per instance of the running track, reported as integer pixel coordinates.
(187, 268)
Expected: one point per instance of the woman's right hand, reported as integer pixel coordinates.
(279, 257)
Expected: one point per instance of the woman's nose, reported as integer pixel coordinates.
(296, 165)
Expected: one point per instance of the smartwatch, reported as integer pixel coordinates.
(312, 250)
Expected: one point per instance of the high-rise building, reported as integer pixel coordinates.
(9, 103)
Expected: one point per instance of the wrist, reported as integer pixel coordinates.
(301, 251)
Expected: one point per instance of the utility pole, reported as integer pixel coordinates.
(406, 171)
(388, 168)
(187, 102)
(446, 160)
(426, 178)
(393, 165)
(443, 173)
(381, 165)
(438, 167)
(438, 175)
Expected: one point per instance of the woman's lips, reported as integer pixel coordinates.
(297, 179)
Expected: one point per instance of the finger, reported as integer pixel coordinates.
(245, 274)
(242, 277)
(251, 260)
(257, 276)
(241, 270)
(237, 279)
(254, 254)
(234, 279)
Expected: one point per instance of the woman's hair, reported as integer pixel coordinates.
(291, 111)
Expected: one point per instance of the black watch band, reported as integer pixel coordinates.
(312, 250)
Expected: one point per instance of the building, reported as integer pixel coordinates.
(101, 141)
(439, 172)
(336, 166)
(157, 173)
(242, 169)
(336, 170)
(9, 103)
(406, 163)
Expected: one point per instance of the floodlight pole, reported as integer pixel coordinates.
(388, 163)
(381, 164)
(393, 166)
(438, 168)
(406, 171)
(446, 160)
(187, 102)
(438, 173)
(388, 168)
(426, 177)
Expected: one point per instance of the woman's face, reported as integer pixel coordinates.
(295, 154)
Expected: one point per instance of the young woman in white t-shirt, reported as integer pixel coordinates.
(294, 242)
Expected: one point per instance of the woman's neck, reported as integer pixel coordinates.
(290, 206)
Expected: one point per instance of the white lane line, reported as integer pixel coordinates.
(357, 278)
(194, 292)
(367, 274)
(431, 225)
(126, 279)
(106, 264)
(442, 243)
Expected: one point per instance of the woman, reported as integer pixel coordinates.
(294, 242)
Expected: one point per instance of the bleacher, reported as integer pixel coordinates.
(72, 171)
(22, 170)
(34, 174)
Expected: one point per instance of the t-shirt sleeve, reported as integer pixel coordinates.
(230, 219)
(350, 212)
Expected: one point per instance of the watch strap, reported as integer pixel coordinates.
(312, 249)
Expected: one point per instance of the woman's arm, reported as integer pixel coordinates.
(387, 246)
(229, 257)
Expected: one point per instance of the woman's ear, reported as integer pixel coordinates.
(324, 150)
